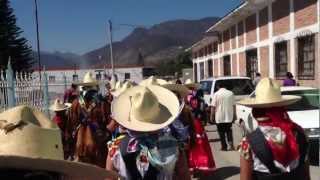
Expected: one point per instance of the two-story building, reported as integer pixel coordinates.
(267, 36)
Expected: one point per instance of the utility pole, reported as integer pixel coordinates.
(110, 44)
(38, 37)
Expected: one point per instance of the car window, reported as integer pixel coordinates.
(309, 100)
(206, 86)
(237, 86)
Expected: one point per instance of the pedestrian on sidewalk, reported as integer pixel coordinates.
(223, 113)
(289, 81)
(277, 149)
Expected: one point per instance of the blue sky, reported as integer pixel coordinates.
(80, 25)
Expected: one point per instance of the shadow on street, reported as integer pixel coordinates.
(222, 173)
(214, 140)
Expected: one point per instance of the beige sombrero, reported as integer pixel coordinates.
(190, 84)
(88, 80)
(117, 86)
(146, 109)
(152, 81)
(127, 85)
(268, 94)
(59, 106)
(30, 141)
(179, 88)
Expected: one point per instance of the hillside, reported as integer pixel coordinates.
(149, 46)
(160, 42)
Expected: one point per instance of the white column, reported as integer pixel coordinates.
(237, 46)
(258, 40)
(219, 66)
(198, 72)
(205, 69)
(292, 59)
(271, 48)
(230, 40)
(231, 64)
(222, 41)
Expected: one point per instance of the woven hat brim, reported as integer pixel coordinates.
(193, 85)
(74, 170)
(179, 88)
(169, 110)
(61, 109)
(284, 101)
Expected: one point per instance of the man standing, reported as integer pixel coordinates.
(70, 93)
(222, 111)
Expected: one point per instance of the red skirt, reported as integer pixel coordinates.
(200, 154)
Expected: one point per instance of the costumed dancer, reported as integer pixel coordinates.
(41, 157)
(278, 148)
(92, 132)
(62, 120)
(200, 155)
(144, 151)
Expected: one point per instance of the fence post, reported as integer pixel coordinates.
(65, 82)
(46, 93)
(10, 87)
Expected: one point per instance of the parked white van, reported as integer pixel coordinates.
(240, 86)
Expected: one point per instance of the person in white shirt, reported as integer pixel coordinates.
(223, 112)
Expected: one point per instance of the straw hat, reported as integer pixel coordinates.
(268, 94)
(190, 84)
(152, 81)
(146, 109)
(127, 85)
(179, 88)
(88, 80)
(30, 141)
(117, 86)
(58, 106)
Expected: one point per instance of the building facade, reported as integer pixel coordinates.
(267, 36)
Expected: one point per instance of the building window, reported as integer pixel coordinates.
(126, 76)
(226, 66)
(75, 78)
(215, 47)
(98, 76)
(306, 57)
(201, 71)
(210, 68)
(195, 71)
(252, 63)
(281, 59)
(52, 79)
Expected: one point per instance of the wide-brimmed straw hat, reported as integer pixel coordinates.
(146, 109)
(88, 80)
(190, 84)
(178, 88)
(116, 86)
(127, 85)
(268, 94)
(59, 106)
(152, 81)
(30, 141)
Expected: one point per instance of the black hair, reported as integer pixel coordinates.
(289, 75)
(258, 74)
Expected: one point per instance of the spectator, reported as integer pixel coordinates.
(223, 111)
(256, 79)
(289, 81)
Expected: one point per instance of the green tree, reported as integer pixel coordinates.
(11, 42)
(183, 60)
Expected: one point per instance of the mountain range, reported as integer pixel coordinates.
(148, 46)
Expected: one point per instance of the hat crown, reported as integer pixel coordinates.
(88, 78)
(268, 90)
(32, 134)
(145, 105)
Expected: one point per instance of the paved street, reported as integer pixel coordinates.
(227, 163)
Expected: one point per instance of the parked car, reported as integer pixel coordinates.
(304, 112)
(240, 86)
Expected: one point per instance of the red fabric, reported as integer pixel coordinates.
(58, 120)
(278, 117)
(200, 155)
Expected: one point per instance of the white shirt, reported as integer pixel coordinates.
(223, 101)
